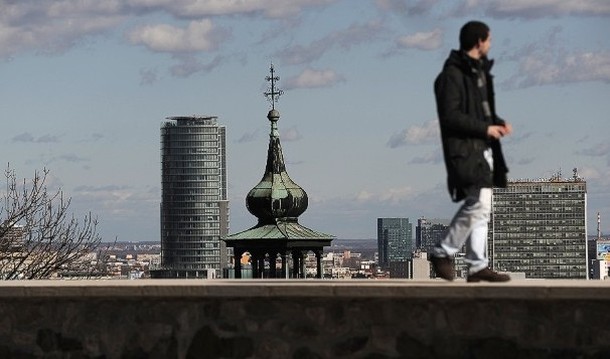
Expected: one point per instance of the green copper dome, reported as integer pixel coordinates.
(276, 196)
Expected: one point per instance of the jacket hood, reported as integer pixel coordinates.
(461, 60)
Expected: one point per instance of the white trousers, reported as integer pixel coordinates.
(469, 226)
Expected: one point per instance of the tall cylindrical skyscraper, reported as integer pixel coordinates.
(194, 205)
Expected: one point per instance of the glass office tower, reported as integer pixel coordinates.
(538, 227)
(430, 231)
(194, 205)
(394, 240)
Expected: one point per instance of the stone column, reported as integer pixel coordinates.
(272, 269)
(318, 253)
(261, 265)
(254, 262)
(285, 273)
(237, 265)
(296, 263)
(302, 264)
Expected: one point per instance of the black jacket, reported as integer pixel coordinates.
(464, 127)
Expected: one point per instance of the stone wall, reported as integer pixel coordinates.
(303, 319)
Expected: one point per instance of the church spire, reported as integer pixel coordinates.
(277, 202)
(276, 196)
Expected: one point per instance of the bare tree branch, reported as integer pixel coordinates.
(39, 238)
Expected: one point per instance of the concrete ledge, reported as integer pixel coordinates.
(303, 319)
(197, 288)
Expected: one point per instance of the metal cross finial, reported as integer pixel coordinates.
(273, 94)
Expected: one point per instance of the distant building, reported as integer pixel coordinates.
(13, 248)
(13, 238)
(601, 255)
(420, 266)
(429, 231)
(394, 241)
(194, 205)
(538, 227)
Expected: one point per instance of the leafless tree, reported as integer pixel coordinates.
(38, 236)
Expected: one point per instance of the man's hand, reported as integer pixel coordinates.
(499, 131)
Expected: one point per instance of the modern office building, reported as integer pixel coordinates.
(538, 227)
(194, 205)
(429, 231)
(394, 240)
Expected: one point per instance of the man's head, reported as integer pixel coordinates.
(475, 35)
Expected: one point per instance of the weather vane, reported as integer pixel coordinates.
(273, 94)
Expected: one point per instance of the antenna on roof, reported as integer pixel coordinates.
(599, 227)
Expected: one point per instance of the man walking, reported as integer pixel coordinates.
(470, 132)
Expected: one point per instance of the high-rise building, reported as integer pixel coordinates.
(538, 227)
(428, 232)
(194, 205)
(394, 240)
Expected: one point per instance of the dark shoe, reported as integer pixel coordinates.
(487, 275)
(443, 267)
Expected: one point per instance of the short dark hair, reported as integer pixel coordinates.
(471, 33)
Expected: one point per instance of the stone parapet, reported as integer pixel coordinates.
(303, 319)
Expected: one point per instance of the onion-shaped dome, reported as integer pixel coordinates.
(276, 196)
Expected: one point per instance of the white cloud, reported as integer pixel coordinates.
(70, 157)
(248, 136)
(526, 161)
(545, 8)
(388, 195)
(201, 8)
(344, 39)
(597, 150)
(408, 8)
(422, 40)
(589, 66)
(116, 200)
(433, 157)
(415, 135)
(28, 137)
(53, 27)
(534, 9)
(395, 195)
(310, 78)
(188, 65)
(197, 36)
(291, 134)
(545, 61)
(546, 68)
(364, 196)
(590, 173)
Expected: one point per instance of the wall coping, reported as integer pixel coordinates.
(257, 288)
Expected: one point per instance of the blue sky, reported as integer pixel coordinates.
(87, 83)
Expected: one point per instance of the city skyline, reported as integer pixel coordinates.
(87, 84)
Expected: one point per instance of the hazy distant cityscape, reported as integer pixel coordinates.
(537, 227)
